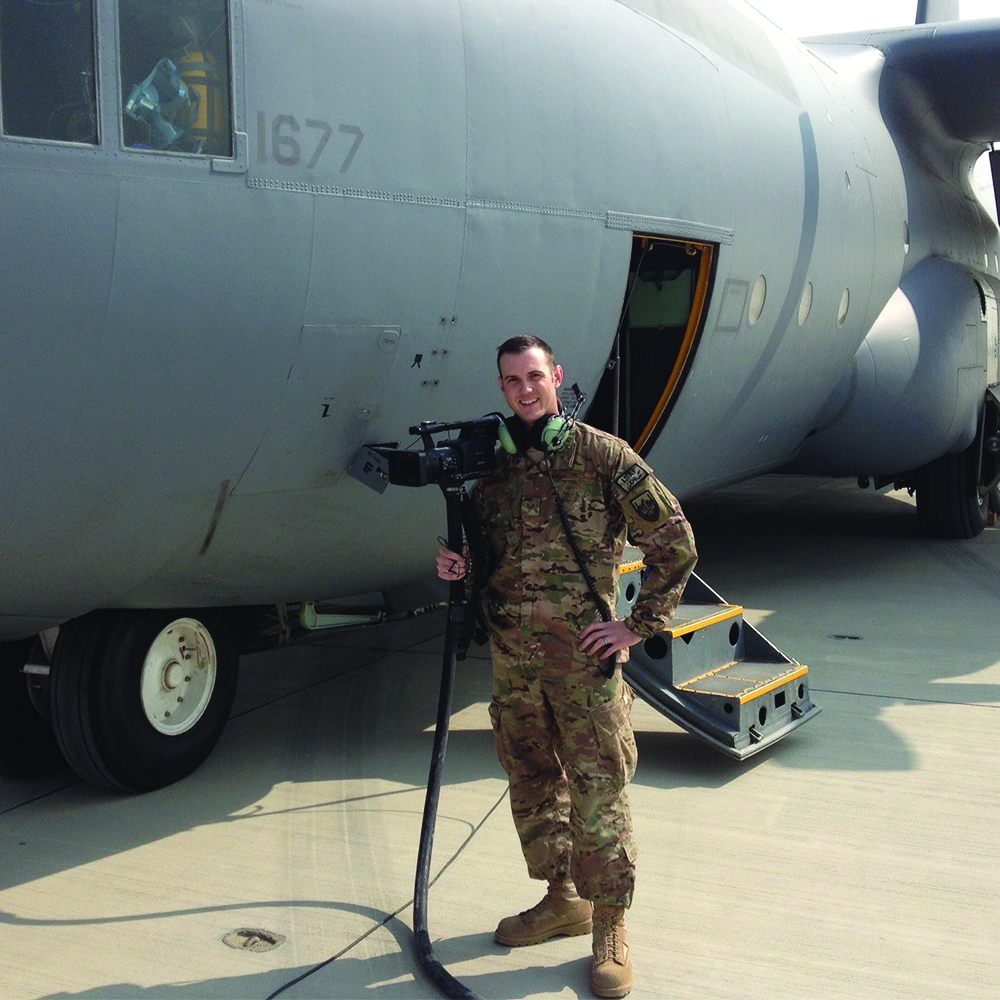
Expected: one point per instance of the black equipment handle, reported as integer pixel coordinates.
(480, 567)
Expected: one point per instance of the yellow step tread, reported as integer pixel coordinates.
(630, 567)
(731, 676)
(711, 615)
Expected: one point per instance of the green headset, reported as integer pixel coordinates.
(548, 433)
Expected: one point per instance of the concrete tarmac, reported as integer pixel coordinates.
(859, 857)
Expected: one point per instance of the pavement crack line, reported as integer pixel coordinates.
(902, 697)
(38, 798)
(395, 914)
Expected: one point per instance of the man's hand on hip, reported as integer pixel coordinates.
(606, 638)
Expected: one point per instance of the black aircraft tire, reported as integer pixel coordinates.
(105, 665)
(78, 649)
(948, 500)
(994, 500)
(28, 747)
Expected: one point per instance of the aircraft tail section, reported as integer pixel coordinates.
(929, 11)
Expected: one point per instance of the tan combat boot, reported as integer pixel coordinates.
(611, 975)
(561, 912)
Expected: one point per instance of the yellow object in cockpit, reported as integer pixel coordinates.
(206, 78)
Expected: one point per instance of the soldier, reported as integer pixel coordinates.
(560, 708)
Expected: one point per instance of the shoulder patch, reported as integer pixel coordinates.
(646, 507)
(631, 478)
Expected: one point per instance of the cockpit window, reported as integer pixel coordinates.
(47, 70)
(175, 76)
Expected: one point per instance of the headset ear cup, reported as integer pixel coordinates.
(546, 434)
(536, 434)
(552, 433)
(506, 439)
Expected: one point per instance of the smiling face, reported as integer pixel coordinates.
(530, 384)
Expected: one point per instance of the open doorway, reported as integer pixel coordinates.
(665, 300)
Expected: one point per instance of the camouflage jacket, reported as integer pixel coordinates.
(536, 592)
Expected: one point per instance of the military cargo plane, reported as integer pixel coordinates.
(242, 238)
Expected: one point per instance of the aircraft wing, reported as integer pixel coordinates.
(954, 65)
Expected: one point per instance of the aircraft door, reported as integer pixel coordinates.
(665, 301)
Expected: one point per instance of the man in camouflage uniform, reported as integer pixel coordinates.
(562, 727)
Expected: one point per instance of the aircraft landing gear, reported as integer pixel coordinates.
(949, 504)
(140, 698)
(28, 746)
(956, 492)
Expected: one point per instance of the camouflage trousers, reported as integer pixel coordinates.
(567, 745)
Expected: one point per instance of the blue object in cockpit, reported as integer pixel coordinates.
(165, 104)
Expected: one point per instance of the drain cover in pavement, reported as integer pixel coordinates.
(252, 939)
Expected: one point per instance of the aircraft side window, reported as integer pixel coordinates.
(175, 76)
(47, 70)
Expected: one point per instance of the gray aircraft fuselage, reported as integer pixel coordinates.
(195, 346)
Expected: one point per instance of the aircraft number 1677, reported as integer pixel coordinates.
(286, 149)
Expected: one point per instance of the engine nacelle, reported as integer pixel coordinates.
(916, 384)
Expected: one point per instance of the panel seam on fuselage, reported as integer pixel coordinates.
(679, 228)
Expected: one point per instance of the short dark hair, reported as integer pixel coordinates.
(518, 345)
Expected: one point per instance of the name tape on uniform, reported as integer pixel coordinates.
(631, 478)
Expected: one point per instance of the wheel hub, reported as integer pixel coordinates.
(173, 675)
(178, 677)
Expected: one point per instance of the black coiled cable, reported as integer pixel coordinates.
(459, 510)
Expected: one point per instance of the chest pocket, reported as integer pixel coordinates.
(586, 505)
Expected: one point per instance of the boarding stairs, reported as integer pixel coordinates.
(713, 673)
